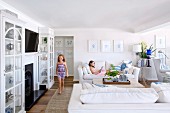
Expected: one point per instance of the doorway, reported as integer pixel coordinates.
(65, 45)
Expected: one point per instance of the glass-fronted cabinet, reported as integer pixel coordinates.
(46, 57)
(12, 94)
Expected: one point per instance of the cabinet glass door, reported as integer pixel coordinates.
(9, 67)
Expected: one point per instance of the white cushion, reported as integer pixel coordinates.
(87, 86)
(85, 71)
(163, 90)
(108, 95)
(88, 68)
(92, 76)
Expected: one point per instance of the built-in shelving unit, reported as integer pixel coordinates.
(11, 79)
(46, 57)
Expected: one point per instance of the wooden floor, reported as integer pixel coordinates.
(41, 104)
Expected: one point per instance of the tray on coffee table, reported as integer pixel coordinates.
(117, 83)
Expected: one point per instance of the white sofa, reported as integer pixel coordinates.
(86, 76)
(76, 106)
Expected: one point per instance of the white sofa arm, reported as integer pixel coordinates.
(136, 72)
(80, 72)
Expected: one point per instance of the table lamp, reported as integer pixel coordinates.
(137, 49)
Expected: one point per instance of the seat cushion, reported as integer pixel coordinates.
(163, 90)
(108, 95)
(92, 76)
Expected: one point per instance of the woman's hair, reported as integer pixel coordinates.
(62, 56)
(90, 62)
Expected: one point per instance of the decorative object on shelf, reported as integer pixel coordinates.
(149, 53)
(44, 73)
(143, 48)
(58, 52)
(10, 34)
(8, 68)
(44, 81)
(59, 42)
(45, 40)
(8, 96)
(92, 45)
(69, 53)
(106, 46)
(68, 43)
(10, 46)
(9, 110)
(118, 45)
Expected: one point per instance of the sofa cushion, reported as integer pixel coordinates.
(92, 76)
(163, 90)
(108, 95)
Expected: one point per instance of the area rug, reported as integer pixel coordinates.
(59, 103)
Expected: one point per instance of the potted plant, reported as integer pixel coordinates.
(111, 73)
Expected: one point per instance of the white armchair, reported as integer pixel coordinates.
(161, 73)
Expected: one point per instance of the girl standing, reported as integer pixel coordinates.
(62, 71)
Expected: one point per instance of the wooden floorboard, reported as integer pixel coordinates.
(41, 104)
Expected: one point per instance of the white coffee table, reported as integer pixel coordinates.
(133, 83)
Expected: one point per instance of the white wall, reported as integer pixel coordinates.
(81, 37)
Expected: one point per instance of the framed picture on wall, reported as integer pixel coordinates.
(92, 45)
(160, 41)
(106, 46)
(118, 45)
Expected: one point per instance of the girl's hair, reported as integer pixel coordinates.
(90, 62)
(62, 56)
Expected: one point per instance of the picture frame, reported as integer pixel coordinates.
(92, 45)
(118, 45)
(106, 46)
(160, 42)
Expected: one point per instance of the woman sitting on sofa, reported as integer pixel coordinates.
(95, 71)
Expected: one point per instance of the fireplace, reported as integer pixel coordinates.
(31, 95)
(28, 79)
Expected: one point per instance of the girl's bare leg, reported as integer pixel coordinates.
(59, 85)
(62, 84)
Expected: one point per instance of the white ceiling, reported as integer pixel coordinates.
(121, 14)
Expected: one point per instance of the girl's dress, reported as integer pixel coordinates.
(61, 70)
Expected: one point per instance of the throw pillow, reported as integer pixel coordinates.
(85, 71)
(88, 68)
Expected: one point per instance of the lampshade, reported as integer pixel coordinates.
(137, 48)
